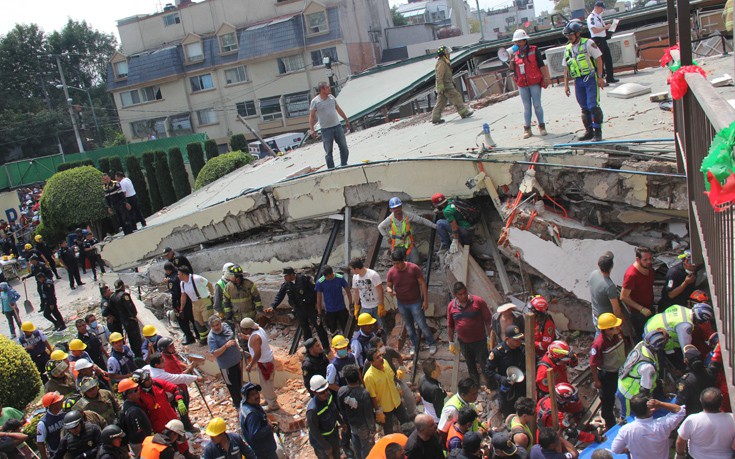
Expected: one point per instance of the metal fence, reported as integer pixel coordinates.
(698, 117)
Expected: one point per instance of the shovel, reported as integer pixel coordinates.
(27, 302)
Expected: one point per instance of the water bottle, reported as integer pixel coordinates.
(489, 142)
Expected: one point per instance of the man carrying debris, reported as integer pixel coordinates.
(509, 353)
(261, 357)
(325, 108)
(637, 292)
(199, 291)
(470, 317)
(367, 291)
(330, 303)
(302, 299)
(445, 90)
(255, 427)
(397, 228)
(241, 298)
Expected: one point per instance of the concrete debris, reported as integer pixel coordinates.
(493, 99)
(659, 96)
(629, 90)
(724, 80)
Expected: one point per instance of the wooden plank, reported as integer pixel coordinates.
(460, 267)
(552, 397)
(529, 325)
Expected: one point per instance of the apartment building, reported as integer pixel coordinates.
(196, 66)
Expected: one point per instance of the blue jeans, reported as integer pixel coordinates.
(362, 442)
(444, 231)
(531, 95)
(331, 135)
(414, 313)
(588, 98)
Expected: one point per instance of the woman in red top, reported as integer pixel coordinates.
(530, 75)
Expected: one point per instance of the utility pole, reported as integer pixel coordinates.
(327, 61)
(50, 108)
(68, 103)
(479, 18)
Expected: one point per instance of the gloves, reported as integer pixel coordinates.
(399, 374)
(357, 310)
(380, 417)
(182, 408)
(454, 248)
(381, 310)
(646, 312)
(489, 344)
(453, 348)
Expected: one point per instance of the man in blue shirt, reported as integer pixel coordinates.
(329, 296)
(552, 446)
(225, 445)
(254, 425)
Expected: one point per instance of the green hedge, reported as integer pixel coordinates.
(135, 174)
(20, 382)
(116, 165)
(150, 171)
(73, 164)
(163, 177)
(238, 142)
(178, 173)
(210, 147)
(220, 166)
(196, 158)
(104, 165)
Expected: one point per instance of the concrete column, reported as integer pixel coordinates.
(348, 226)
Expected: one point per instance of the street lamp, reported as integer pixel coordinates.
(94, 114)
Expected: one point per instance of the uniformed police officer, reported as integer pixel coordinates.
(302, 298)
(184, 316)
(315, 362)
(122, 308)
(695, 380)
(177, 260)
(509, 353)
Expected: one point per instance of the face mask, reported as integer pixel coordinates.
(93, 324)
(342, 352)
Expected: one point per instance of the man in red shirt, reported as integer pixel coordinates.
(406, 282)
(637, 292)
(154, 395)
(470, 317)
(607, 355)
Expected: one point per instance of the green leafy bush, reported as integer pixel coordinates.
(30, 429)
(73, 198)
(135, 174)
(178, 173)
(210, 147)
(73, 164)
(52, 235)
(196, 157)
(220, 166)
(150, 171)
(163, 177)
(238, 142)
(20, 382)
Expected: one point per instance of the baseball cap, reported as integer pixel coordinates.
(309, 343)
(248, 387)
(288, 270)
(167, 250)
(503, 443)
(514, 332)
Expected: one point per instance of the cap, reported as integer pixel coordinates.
(119, 284)
(288, 270)
(309, 343)
(502, 442)
(249, 324)
(600, 4)
(506, 307)
(82, 364)
(248, 387)
(514, 332)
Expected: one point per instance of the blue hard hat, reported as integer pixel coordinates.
(394, 202)
(572, 27)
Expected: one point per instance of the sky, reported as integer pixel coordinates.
(51, 15)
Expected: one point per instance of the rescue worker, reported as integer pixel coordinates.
(583, 62)
(133, 419)
(323, 419)
(123, 309)
(112, 447)
(219, 288)
(89, 416)
(78, 242)
(116, 203)
(570, 413)
(37, 266)
(255, 427)
(48, 254)
(164, 444)
(177, 260)
(342, 358)
(315, 362)
(397, 229)
(302, 299)
(467, 392)
(224, 445)
(150, 342)
(445, 90)
(82, 438)
(86, 369)
(184, 315)
(679, 323)
(510, 353)
(113, 325)
(640, 372)
(262, 358)
(173, 365)
(451, 222)
(530, 75)
(607, 355)
(465, 419)
(360, 344)
(506, 314)
(519, 423)
(37, 346)
(241, 298)
(199, 291)
(121, 363)
(432, 393)
(695, 380)
(49, 305)
(59, 378)
(680, 284)
(92, 344)
(154, 398)
(558, 356)
(545, 331)
(48, 429)
(100, 401)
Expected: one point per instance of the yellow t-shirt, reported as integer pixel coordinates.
(382, 385)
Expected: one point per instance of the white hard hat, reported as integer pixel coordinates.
(317, 383)
(520, 34)
(177, 426)
(225, 270)
(82, 364)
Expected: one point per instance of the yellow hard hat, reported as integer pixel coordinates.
(339, 342)
(115, 336)
(149, 330)
(608, 320)
(38, 238)
(77, 345)
(28, 327)
(216, 426)
(28, 246)
(365, 319)
(58, 354)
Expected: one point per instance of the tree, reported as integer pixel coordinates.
(178, 173)
(220, 166)
(20, 382)
(163, 177)
(149, 159)
(196, 157)
(135, 174)
(398, 19)
(104, 163)
(116, 165)
(238, 142)
(210, 147)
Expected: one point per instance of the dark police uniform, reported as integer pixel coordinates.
(48, 253)
(314, 366)
(93, 256)
(49, 306)
(66, 254)
(115, 199)
(180, 260)
(496, 369)
(122, 307)
(184, 317)
(690, 387)
(302, 299)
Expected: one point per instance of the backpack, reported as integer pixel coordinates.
(467, 210)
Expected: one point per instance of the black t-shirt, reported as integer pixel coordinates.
(416, 448)
(674, 278)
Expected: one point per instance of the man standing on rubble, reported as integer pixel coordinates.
(469, 316)
(315, 361)
(241, 298)
(367, 291)
(255, 427)
(261, 357)
(453, 223)
(603, 292)
(124, 310)
(445, 90)
(397, 228)
(325, 107)
(199, 291)
(302, 298)
(637, 292)
(330, 303)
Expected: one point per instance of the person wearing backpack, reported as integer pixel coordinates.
(457, 222)
(9, 298)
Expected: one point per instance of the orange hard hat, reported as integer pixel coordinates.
(51, 398)
(126, 385)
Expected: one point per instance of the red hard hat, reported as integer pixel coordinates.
(51, 398)
(558, 351)
(539, 303)
(438, 199)
(699, 296)
(566, 393)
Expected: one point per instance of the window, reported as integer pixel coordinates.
(317, 22)
(317, 57)
(121, 69)
(181, 124)
(171, 19)
(270, 108)
(290, 63)
(194, 51)
(246, 108)
(296, 104)
(138, 96)
(236, 75)
(206, 116)
(146, 128)
(129, 98)
(201, 82)
(228, 42)
(150, 93)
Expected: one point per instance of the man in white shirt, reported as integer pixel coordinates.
(157, 372)
(367, 291)
(325, 107)
(646, 437)
(130, 196)
(598, 32)
(200, 291)
(709, 434)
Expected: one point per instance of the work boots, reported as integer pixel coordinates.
(542, 129)
(527, 132)
(588, 134)
(597, 134)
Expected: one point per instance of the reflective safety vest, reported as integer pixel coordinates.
(629, 378)
(581, 64)
(151, 450)
(531, 72)
(242, 301)
(458, 403)
(326, 416)
(672, 317)
(516, 426)
(402, 237)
